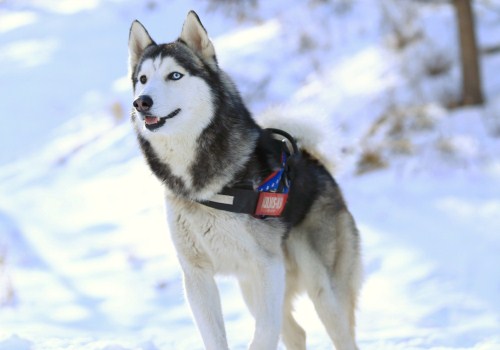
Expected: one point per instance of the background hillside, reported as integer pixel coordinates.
(85, 256)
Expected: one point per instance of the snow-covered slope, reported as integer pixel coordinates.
(85, 257)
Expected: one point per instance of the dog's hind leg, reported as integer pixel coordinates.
(335, 313)
(334, 287)
(325, 250)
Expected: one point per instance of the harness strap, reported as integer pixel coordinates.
(259, 204)
(271, 196)
(235, 200)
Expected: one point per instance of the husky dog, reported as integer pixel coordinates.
(199, 138)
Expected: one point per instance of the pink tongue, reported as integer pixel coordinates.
(151, 120)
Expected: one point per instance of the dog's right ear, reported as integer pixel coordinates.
(138, 40)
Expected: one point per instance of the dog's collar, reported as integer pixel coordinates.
(270, 197)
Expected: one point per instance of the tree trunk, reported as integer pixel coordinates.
(471, 73)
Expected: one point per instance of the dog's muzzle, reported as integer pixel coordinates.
(143, 104)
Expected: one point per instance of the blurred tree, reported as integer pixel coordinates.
(472, 93)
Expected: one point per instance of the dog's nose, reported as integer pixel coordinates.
(143, 103)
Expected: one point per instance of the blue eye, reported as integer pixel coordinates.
(175, 76)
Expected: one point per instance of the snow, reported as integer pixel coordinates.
(85, 257)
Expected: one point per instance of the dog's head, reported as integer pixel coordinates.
(173, 83)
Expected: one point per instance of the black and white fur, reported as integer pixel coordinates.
(197, 137)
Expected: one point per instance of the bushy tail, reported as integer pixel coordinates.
(314, 133)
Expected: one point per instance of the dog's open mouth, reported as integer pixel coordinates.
(152, 122)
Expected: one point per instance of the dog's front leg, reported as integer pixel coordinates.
(204, 300)
(267, 293)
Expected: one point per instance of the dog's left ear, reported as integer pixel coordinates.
(196, 38)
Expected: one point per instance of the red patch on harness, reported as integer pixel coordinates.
(271, 204)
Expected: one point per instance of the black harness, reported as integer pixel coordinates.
(269, 199)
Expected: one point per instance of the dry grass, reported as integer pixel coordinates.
(370, 160)
(400, 20)
(392, 135)
(437, 63)
(117, 112)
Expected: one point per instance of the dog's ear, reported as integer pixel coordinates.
(195, 37)
(138, 40)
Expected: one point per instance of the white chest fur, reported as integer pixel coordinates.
(178, 152)
(219, 240)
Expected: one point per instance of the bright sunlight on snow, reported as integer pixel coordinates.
(85, 257)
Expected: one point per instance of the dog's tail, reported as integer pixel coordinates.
(314, 133)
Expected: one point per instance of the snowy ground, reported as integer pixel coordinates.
(85, 257)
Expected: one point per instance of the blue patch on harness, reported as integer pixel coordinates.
(272, 182)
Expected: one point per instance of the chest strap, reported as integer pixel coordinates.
(270, 197)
